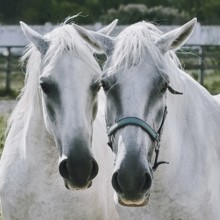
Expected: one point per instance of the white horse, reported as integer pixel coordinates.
(53, 121)
(142, 81)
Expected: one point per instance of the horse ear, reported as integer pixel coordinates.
(174, 39)
(97, 41)
(37, 39)
(109, 28)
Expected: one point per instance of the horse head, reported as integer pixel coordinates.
(69, 81)
(136, 80)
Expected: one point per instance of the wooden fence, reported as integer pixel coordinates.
(8, 65)
(200, 59)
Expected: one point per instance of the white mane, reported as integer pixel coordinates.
(132, 43)
(62, 38)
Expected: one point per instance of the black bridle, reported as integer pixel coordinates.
(155, 136)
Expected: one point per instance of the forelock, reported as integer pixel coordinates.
(132, 44)
(65, 37)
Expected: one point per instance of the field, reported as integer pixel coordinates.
(2, 137)
(3, 122)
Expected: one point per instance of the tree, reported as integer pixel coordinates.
(41, 11)
(10, 10)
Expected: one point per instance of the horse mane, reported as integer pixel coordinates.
(63, 37)
(132, 43)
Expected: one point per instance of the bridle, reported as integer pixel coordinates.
(154, 135)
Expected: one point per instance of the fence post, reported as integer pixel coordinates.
(201, 64)
(8, 71)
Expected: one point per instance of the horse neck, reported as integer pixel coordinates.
(193, 107)
(189, 131)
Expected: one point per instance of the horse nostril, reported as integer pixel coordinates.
(115, 183)
(146, 183)
(94, 169)
(63, 169)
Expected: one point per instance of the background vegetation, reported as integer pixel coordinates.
(129, 11)
(3, 121)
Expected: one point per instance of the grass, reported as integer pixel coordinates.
(212, 82)
(17, 83)
(3, 124)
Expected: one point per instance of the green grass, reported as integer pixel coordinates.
(17, 83)
(212, 82)
(3, 124)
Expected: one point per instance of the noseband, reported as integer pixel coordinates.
(155, 136)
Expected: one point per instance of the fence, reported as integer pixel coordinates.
(8, 65)
(202, 52)
(202, 58)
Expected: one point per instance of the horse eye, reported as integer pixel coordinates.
(45, 87)
(96, 86)
(164, 87)
(104, 85)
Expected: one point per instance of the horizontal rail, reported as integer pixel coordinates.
(203, 57)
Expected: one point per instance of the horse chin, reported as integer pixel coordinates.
(132, 203)
(70, 186)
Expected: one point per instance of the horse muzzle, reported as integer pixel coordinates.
(143, 201)
(78, 175)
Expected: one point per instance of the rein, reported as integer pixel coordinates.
(155, 136)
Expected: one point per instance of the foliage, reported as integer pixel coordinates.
(207, 11)
(167, 15)
(212, 83)
(126, 14)
(2, 131)
(167, 11)
(41, 11)
(131, 13)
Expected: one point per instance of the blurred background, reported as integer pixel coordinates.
(128, 11)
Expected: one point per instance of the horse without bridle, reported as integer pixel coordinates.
(53, 121)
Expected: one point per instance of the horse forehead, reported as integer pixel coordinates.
(133, 60)
(69, 66)
(138, 77)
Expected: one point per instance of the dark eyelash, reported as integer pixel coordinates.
(96, 86)
(46, 87)
(164, 87)
(104, 85)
